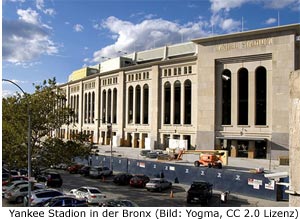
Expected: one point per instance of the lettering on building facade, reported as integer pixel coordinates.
(244, 44)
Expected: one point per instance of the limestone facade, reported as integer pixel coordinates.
(228, 91)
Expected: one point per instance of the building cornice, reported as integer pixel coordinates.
(292, 27)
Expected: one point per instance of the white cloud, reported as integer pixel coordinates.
(26, 39)
(278, 4)
(229, 25)
(29, 16)
(145, 35)
(227, 5)
(271, 20)
(78, 28)
(40, 5)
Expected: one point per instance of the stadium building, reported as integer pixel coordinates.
(227, 91)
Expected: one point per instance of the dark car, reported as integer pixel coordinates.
(200, 191)
(154, 154)
(85, 170)
(75, 168)
(144, 152)
(122, 178)
(13, 178)
(51, 179)
(139, 181)
(118, 203)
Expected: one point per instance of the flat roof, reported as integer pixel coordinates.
(293, 27)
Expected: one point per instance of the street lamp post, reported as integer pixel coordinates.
(109, 126)
(28, 140)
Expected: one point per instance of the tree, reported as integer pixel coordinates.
(55, 151)
(48, 112)
(14, 149)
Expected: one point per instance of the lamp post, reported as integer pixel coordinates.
(28, 140)
(109, 127)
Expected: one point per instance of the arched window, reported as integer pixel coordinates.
(109, 106)
(187, 102)
(138, 104)
(89, 107)
(167, 100)
(260, 96)
(104, 106)
(177, 102)
(243, 96)
(130, 104)
(146, 104)
(115, 103)
(85, 108)
(77, 108)
(226, 97)
(93, 107)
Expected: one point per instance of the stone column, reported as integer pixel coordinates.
(251, 149)
(182, 98)
(234, 149)
(294, 138)
(234, 99)
(251, 99)
(142, 105)
(172, 104)
(134, 104)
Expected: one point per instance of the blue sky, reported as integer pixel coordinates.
(42, 39)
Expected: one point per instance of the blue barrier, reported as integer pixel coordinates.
(244, 183)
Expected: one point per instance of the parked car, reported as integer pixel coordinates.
(17, 194)
(85, 170)
(75, 168)
(13, 178)
(50, 178)
(139, 181)
(200, 191)
(122, 178)
(61, 166)
(39, 196)
(144, 152)
(158, 184)
(154, 154)
(12, 185)
(118, 203)
(63, 201)
(92, 194)
(98, 172)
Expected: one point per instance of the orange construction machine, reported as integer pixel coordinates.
(208, 158)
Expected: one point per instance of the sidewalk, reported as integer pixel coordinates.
(234, 163)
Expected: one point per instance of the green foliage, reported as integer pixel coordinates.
(55, 151)
(48, 111)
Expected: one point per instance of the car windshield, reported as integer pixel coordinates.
(154, 181)
(94, 191)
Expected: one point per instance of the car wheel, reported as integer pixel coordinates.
(219, 165)
(19, 199)
(188, 201)
(196, 163)
(159, 189)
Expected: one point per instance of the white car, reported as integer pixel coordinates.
(42, 195)
(158, 184)
(92, 194)
(12, 185)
